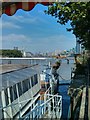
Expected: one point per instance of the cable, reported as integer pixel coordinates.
(47, 73)
(58, 74)
(63, 78)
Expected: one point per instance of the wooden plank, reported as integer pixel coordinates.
(89, 103)
(82, 107)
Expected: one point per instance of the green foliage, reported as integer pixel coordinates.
(80, 69)
(78, 14)
(58, 63)
(11, 53)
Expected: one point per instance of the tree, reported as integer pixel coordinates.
(77, 13)
(11, 53)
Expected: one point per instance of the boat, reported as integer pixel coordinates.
(27, 93)
(19, 86)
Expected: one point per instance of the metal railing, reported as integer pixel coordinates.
(50, 108)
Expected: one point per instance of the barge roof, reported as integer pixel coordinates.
(4, 68)
(11, 74)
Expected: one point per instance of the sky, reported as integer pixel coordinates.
(34, 31)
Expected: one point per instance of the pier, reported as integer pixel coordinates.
(79, 91)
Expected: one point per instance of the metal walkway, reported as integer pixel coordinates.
(50, 108)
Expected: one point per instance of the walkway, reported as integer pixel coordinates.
(65, 70)
(65, 73)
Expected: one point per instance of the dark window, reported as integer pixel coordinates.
(6, 96)
(15, 92)
(19, 88)
(28, 81)
(35, 79)
(26, 85)
(11, 93)
(32, 81)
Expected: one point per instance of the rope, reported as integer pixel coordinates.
(63, 78)
(58, 74)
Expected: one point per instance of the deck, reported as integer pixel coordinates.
(4, 68)
(11, 67)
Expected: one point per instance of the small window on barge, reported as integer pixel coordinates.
(32, 81)
(13, 93)
(6, 96)
(26, 85)
(20, 91)
(35, 79)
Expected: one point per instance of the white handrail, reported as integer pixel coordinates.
(46, 106)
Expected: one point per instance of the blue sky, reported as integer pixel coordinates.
(35, 32)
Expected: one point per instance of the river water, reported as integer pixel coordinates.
(64, 72)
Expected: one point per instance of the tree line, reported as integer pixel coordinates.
(11, 53)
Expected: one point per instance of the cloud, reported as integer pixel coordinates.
(43, 44)
(0, 39)
(26, 18)
(9, 25)
(29, 18)
(51, 43)
(0, 23)
(15, 37)
(55, 38)
(0, 42)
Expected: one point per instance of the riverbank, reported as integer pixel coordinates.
(79, 93)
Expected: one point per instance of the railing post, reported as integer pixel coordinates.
(82, 108)
(39, 111)
(4, 104)
(71, 107)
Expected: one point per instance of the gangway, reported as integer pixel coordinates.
(50, 108)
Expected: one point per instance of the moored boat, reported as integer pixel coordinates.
(22, 91)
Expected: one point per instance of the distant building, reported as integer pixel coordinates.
(77, 46)
(29, 54)
(15, 48)
(24, 54)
